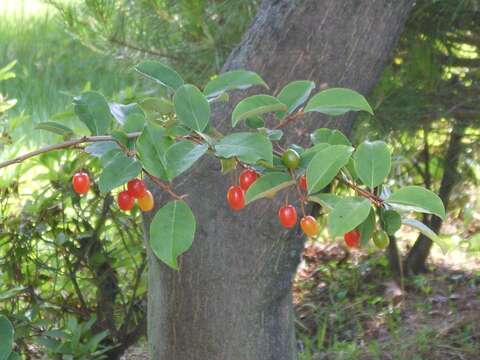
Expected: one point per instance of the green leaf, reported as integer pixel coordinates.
(274, 135)
(120, 111)
(172, 231)
(295, 94)
(6, 337)
(152, 146)
(429, 233)
(191, 107)
(177, 130)
(256, 105)
(372, 161)
(99, 149)
(391, 221)
(247, 147)
(338, 101)
(325, 165)
(156, 106)
(308, 154)
(160, 73)
(134, 123)
(228, 165)
(347, 214)
(329, 136)
(14, 356)
(118, 169)
(255, 122)
(235, 79)
(327, 200)
(55, 128)
(121, 137)
(93, 110)
(267, 186)
(182, 155)
(367, 228)
(416, 198)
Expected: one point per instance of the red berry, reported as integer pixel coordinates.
(236, 197)
(136, 188)
(125, 200)
(81, 183)
(303, 182)
(352, 238)
(309, 225)
(247, 178)
(287, 216)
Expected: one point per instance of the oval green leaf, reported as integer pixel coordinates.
(325, 165)
(6, 338)
(192, 107)
(295, 94)
(121, 111)
(429, 233)
(367, 228)
(348, 214)
(391, 221)
(55, 128)
(155, 107)
(152, 146)
(100, 148)
(372, 161)
(93, 110)
(182, 155)
(247, 147)
(256, 105)
(172, 231)
(268, 185)
(308, 154)
(160, 73)
(329, 136)
(118, 169)
(338, 101)
(327, 200)
(416, 198)
(134, 123)
(231, 80)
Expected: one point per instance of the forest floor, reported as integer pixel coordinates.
(348, 307)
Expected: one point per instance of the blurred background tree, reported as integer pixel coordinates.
(427, 105)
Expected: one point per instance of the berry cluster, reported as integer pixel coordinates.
(287, 214)
(136, 190)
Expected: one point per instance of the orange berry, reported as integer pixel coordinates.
(309, 225)
(146, 202)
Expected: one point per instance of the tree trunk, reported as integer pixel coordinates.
(416, 259)
(231, 300)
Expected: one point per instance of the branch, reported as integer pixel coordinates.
(378, 202)
(164, 187)
(290, 118)
(64, 145)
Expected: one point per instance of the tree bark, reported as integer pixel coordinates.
(231, 300)
(415, 262)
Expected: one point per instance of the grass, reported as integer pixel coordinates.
(51, 66)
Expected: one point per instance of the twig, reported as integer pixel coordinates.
(164, 187)
(290, 118)
(378, 202)
(64, 145)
